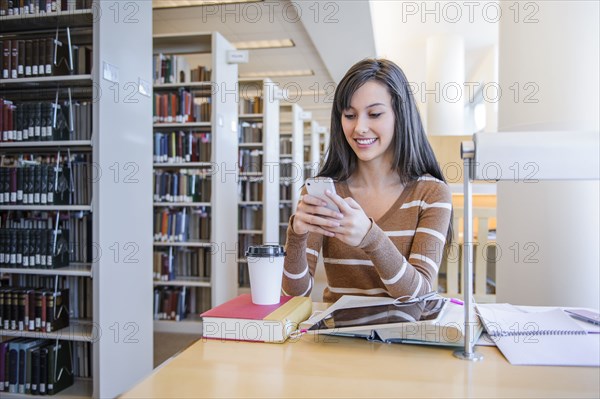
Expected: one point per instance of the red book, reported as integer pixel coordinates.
(241, 320)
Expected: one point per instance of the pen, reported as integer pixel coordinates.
(455, 301)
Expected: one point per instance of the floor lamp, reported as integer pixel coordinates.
(492, 157)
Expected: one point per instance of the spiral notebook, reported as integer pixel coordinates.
(548, 338)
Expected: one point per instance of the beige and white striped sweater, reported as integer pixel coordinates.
(400, 255)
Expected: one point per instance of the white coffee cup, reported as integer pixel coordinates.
(265, 266)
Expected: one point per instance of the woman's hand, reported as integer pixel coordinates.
(350, 226)
(312, 215)
(355, 223)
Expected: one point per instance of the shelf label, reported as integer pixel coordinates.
(110, 72)
(144, 87)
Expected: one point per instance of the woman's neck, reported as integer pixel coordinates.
(370, 176)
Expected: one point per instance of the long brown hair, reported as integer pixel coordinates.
(413, 155)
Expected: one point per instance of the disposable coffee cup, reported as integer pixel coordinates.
(265, 265)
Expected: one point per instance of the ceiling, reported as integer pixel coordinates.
(331, 36)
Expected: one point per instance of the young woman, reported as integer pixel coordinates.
(395, 207)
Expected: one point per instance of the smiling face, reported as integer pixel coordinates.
(368, 123)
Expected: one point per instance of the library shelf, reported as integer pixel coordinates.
(73, 270)
(183, 283)
(27, 22)
(181, 204)
(78, 330)
(183, 165)
(48, 81)
(81, 388)
(56, 208)
(114, 126)
(179, 51)
(250, 232)
(79, 145)
(250, 203)
(183, 125)
(191, 85)
(195, 244)
(251, 117)
(250, 145)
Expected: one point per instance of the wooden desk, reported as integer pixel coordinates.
(345, 367)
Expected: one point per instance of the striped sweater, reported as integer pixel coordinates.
(400, 255)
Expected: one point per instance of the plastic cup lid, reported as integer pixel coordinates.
(265, 251)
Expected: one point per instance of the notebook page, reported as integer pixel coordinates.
(502, 320)
(525, 339)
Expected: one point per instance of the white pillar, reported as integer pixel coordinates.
(548, 232)
(444, 89)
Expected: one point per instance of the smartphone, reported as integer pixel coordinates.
(316, 187)
(585, 315)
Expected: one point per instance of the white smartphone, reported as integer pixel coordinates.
(316, 187)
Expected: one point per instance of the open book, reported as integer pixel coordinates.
(433, 322)
(548, 338)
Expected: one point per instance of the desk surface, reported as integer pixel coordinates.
(328, 367)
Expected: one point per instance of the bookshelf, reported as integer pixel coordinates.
(310, 130)
(292, 161)
(195, 155)
(87, 125)
(259, 172)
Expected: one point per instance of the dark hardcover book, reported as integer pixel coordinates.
(22, 294)
(43, 184)
(42, 57)
(32, 307)
(43, 371)
(49, 62)
(37, 185)
(2, 137)
(37, 120)
(2, 289)
(13, 185)
(35, 370)
(50, 187)
(28, 57)
(47, 121)
(14, 309)
(37, 247)
(35, 57)
(13, 370)
(3, 364)
(14, 60)
(60, 367)
(25, 248)
(30, 184)
(19, 123)
(57, 314)
(38, 310)
(20, 237)
(7, 309)
(21, 64)
(6, 59)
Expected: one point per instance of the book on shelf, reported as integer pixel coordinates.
(29, 309)
(543, 338)
(181, 106)
(44, 56)
(45, 120)
(35, 366)
(181, 263)
(180, 147)
(43, 7)
(239, 319)
(432, 322)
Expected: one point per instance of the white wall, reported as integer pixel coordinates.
(554, 225)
